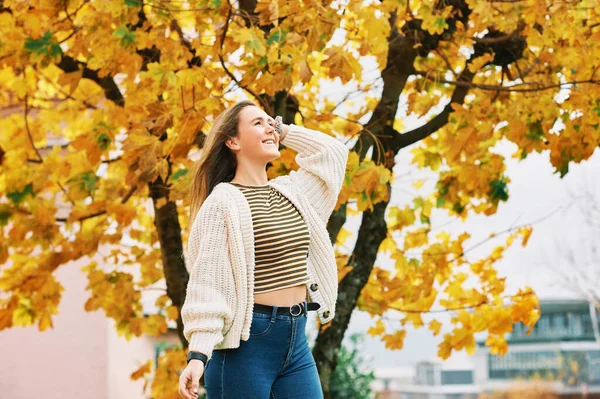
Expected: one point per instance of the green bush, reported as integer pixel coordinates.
(352, 376)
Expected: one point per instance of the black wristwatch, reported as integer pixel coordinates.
(197, 355)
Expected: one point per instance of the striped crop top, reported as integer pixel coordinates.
(281, 239)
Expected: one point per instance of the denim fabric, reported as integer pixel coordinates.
(275, 362)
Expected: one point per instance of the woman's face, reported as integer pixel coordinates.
(256, 138)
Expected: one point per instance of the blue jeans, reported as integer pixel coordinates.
(275, 362)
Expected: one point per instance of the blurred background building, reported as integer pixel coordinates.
(561, 349)
(560, 355)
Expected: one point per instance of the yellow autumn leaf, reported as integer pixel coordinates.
(377, 329)
(23, 316)
(434, 21)
(141, 371)
(387, 245)
(252, 39)
(418, 184)
(394, 341)
(416, 238)
(343, 235)
(476, 64)
(341, 64)
(172, 312)
(526, 232)
(154, 325)
(435, 326)
(414, 318)
(497, 344)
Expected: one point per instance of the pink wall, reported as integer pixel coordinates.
(69, 361)
(82, 357)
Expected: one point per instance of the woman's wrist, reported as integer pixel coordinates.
(197, 361)
(192, 356)
(284, 130)
(280, 127)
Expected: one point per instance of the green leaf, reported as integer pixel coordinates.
(179, 173)
(536, 132)
(563, 170)
(103, 141)
(498, 190)
(596, 109)
(133, 3)
(102, 138)
(127, 37)
(113, 277)
(17, 196)
(4, 216)
(440, 202)
(458, 208)
(418, 201)
(277, 37)
(86, 180)
(44, 45)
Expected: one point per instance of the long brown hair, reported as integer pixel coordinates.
(217, 162)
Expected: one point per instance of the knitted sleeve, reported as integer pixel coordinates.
(207, 312)
(322, 160)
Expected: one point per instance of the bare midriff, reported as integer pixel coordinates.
(282, 297)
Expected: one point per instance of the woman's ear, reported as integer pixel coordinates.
(232, 143)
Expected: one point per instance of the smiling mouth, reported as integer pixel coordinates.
(272, 142)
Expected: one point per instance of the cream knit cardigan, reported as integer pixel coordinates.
(217, 312)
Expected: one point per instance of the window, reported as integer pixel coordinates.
(525, 365)
(586, 321)
(457, 377)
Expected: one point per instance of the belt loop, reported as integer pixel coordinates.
(273, 313)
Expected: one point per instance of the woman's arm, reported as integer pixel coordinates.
(322, 160)
(210, 298)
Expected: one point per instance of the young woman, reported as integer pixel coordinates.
(260, 257)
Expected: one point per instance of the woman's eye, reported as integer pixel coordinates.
(257, 123)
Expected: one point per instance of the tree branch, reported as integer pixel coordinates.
(468, 84)
(102, 212)
(455, 308)
(404, 140)
(39, 160)
(111, 90)
(265, 106)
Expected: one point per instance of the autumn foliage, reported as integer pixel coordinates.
(105, 105)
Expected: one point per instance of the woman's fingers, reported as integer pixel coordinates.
(189, 381)
(196, 374)
(184, 381)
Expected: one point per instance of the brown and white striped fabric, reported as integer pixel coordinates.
(281, 239)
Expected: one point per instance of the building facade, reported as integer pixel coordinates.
(560, 351)
(560, 355)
